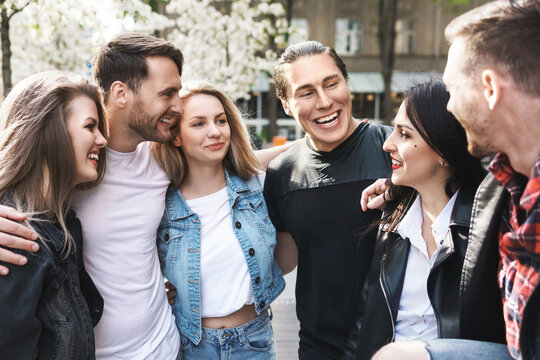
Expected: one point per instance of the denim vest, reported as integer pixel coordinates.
(179, 236)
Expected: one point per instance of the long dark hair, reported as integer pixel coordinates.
(425, 104)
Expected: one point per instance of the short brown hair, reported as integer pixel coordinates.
(296, 51)
(124, 59)
(504, 33)
(239, 160)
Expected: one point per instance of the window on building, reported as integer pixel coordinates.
(404, 37)
(301, 30)
(348, 36)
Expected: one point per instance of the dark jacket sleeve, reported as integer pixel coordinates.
(20, 294)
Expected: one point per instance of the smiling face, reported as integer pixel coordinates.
(414, 162)
(318, 97)
(86, 139)
(204, 133)
(467, 102)
(157, 102)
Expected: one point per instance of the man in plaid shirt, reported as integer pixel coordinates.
(493, 76)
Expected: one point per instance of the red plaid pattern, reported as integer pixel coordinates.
(519, 243)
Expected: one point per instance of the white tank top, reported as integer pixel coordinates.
(224, 276)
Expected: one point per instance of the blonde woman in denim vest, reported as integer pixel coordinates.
(216, 241)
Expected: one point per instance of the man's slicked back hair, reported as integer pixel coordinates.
(124, 59)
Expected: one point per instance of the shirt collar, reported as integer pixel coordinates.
(523, 191)
(411, 225)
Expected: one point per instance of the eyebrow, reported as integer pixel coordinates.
(307, 86)
(200, 117)
(168, 90)
(404, 126)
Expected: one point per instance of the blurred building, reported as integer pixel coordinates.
(350, 27)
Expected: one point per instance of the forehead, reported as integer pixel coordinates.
(456, 62)
(202, 105)
(81, 105)
(162, 73)
(310, 69)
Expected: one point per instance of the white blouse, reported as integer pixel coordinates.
(416, 319)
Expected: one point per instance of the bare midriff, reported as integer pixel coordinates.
(237, 318)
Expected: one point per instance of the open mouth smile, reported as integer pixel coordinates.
(396, 164)
(328, 120)
(93, 157)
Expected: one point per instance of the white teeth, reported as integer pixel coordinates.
(165, 120)
(328, 118)
(93, 157)
(395, 162)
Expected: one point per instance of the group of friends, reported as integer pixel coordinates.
(160, 180)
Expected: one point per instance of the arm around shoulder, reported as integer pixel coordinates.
(14, 236)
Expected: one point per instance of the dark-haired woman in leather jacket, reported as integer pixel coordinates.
(416, 289)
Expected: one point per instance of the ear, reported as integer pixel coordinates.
(286, 107)
(491, 82)
(120, 94)
(175, 139)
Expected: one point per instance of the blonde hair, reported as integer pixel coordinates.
(37, 164)
(239, 160)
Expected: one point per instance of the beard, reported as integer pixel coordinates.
(144, 125)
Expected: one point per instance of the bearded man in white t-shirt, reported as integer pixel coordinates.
(140, 79)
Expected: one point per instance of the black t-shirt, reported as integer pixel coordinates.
(315, 196)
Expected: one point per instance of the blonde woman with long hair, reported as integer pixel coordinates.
(51, 141)
(216, 242)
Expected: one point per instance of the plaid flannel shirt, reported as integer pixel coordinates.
(519, 243)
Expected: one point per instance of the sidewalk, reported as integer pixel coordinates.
(285, 323)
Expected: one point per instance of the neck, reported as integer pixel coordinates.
(203, 180)
(433, 202)
(121, 137)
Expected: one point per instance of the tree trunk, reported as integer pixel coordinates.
(387, 35)
(6, 52)
(271, 101)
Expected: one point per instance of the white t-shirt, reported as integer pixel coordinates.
(415, 319)
(224, 275)
(120, 218)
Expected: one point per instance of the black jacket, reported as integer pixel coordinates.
(43, 305)
(462, 306)
(485, 224)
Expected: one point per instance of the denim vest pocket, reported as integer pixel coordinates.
(169, 243)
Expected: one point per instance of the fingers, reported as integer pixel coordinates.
(10, 226)
(371, 193)
(10, 213)
(377, 202)
(12, 258)
(171, 292)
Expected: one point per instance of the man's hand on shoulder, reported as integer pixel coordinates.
(375, 195)
(15, 236)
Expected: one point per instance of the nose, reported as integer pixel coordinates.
(323, 100)
(100, 140)
(177, 105)
(213, 130)
(389, 145)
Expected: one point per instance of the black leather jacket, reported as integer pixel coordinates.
(466, 305)
(43, 305)
(485, 224)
